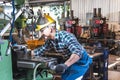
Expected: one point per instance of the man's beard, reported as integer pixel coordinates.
(46, 37)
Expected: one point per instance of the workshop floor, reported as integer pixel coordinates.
(113, 73)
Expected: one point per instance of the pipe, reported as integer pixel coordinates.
(34, 73)
(99, 12)
(9, 24)
(114, 64)
(12, 26)
(94, 12)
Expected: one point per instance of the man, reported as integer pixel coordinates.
(64, 42)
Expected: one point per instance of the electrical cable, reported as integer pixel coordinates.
(12, 25)
(34, 73)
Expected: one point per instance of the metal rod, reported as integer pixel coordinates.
(9, 24)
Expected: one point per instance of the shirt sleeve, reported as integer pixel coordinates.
(42, 49)
(74, 46)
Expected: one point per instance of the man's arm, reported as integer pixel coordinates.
(73, 58)
(42, 49)
(75, 49)
(60, 68)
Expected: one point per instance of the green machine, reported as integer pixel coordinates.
(5, 62)
(36, 68)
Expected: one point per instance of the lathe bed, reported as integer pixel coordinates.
(27, 61)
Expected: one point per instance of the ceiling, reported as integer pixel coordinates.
(39, 2)
(43, 2)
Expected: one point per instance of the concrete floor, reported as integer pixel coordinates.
(113, 74)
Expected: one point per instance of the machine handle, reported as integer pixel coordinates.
(8, 49)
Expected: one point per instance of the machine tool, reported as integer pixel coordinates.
(38, 66)
(71, 24)
(100, 27)
(5, 49)
(5, 45)
(99, 68)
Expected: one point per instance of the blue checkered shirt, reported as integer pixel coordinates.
(64, 42)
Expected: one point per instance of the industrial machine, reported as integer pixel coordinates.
(5, 50)
(94, 35)
(99, 67)
(27, 67)
(37, 66)
(71, 24)
(98, 24)
(5, 61)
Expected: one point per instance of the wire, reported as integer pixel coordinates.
(34, 73)
(12, 25)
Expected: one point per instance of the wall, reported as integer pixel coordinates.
(109, 8)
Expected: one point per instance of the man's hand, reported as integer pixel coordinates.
(60, 68)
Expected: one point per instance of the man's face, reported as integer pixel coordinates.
(46, 32)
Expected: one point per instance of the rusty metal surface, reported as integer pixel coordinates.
(28, 57)
(28, 61)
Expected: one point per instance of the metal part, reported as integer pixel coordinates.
(8, 51)
(45, 1)
(99, 26)
(119, 18)
(25, 64)
(20, 47)
(31, 62)
(29, 12)
(9, 24)
(99, 65)
(2, 11)
(16, 16)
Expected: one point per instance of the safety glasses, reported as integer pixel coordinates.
(42, 30)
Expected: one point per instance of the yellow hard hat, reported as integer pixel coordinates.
(47, 20)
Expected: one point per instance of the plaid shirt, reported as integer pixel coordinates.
(64, 42)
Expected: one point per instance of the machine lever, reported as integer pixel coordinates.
(46, 73)
(8, 49)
